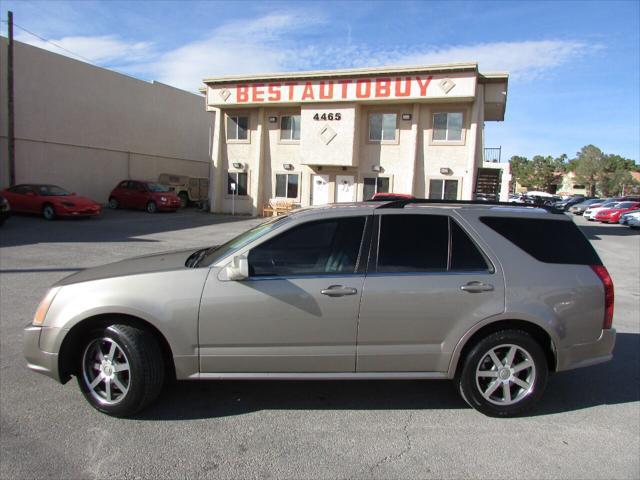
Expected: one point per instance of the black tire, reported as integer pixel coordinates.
(48, 211)
(184, 200)
(143, 379)
(113, 203)
(152, 207)
(470, 384)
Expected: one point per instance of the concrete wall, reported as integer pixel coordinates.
(85, 128)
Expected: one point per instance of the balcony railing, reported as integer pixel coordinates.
(492, 154)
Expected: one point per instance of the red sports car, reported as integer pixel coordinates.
(49, 200)
(612, 215)
(149, 196)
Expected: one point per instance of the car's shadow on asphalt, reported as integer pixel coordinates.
(110, 226)
(597, 231)
(614, 382)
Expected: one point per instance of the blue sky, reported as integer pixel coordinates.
(575, 66)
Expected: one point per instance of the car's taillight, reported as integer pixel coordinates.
(607, 283)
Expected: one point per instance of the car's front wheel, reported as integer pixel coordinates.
(504, 374)
(48, 212)
(152, 207)
(121, 369)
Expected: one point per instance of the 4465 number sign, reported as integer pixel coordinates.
(327, 116)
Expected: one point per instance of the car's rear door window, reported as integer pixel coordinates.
(426, 243)
(329, 246)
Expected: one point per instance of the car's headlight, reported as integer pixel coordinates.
(163, 199)
(43, 308)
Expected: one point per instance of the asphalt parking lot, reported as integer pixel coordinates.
(587, 425)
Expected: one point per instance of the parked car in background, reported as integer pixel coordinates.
(612, 215)
(580, 208)
(633, 219)
(391, 196)
(591, 212)
(50, 201)
(491, 297)
(189, 189)
(624, 218)
(5, 209)
(143, 195)
(567, 203)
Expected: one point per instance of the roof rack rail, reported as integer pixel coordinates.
(401, 203)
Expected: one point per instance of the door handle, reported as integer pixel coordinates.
(338, 291)
(476, 287)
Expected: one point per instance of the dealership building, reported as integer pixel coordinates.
(314, 138)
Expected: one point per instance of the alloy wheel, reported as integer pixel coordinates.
(106, 371)
(506, 374)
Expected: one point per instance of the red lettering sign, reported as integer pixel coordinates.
(383, 87)
(424, 85)
(400, 92)
(242, 93)
(257, 92)
(308, 91)
(291, 85)
(363, 88)
(326, 89)
(274, 92)
(345, 87)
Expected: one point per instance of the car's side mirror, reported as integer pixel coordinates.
(237, 270)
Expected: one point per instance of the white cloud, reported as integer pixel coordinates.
(279, 42)
(520, 59)
(98, 49)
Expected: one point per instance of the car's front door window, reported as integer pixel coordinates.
(321, 247)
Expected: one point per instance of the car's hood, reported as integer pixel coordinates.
(133, 266)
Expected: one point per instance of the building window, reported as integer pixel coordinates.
(290, 127)
(373, 185)
(382, 127)
(239, 180)
(443, 189)
(237, 128)
(287, 185)
(447, 127)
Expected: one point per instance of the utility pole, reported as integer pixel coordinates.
(11, 112)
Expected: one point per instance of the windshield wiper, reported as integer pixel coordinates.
(194, 259)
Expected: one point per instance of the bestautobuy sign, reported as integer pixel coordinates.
(380, 88)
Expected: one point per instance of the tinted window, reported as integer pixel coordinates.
(326, 246)
(413, 243)
(550, 241)
(465, 256)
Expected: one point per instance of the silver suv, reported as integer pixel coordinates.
(493, 297)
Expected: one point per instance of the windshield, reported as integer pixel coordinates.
(626, 205)
(156, 187)
(215, 254)
(609, 204)
(50, 190)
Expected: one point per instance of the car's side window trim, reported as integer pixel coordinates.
(374, 270)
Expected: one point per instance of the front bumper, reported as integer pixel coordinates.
(587, 354)
(38, 360)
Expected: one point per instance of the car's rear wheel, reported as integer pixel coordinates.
(504, 374)
(113, 203)
(152, 207)
(48, 212)
(121, 369)
(184, 199)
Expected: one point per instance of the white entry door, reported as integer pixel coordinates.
(345, 188)
(319, 189)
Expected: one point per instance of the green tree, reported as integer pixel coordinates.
(590, 167)
(539, 173)
(606, 174)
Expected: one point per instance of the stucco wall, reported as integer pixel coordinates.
(85, 128)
